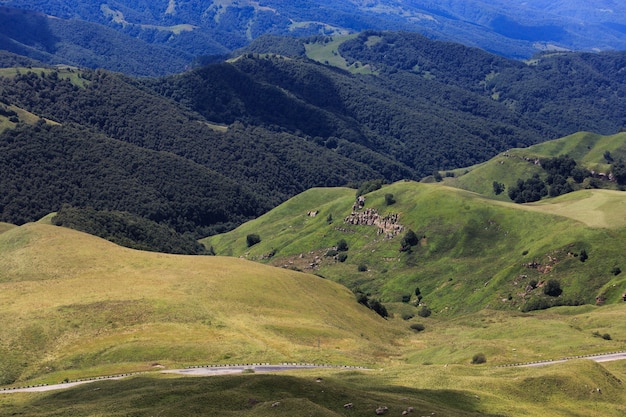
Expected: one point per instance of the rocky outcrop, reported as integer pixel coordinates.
(387, 225)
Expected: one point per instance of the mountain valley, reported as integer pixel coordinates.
(183, 186)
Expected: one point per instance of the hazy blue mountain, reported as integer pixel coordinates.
(205, 28)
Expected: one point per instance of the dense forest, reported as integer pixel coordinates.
(243, 136)
(120, 34)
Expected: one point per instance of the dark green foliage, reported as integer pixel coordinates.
(406, 298)
(605, 336)
(362, 298)
(369, 186)
(608, 157)
(583, 255)
(341, 257)
(252, 239)
(128, 230)
(85, 44)
(526, 191)
(498, 188)
(418, 327)
(362, 268)
(280, 124)
(552, 288)
(389, 200)
(409, 240)
(378, 307)
(618, 169)
(561, 171)
(561, 165)
(371, 303)
(424, 312)
(479, 358)
(282, 45)
(418, 292)
(616, 270)
(46, 166)
(342, 245)
(331, 252)
(329, 218)
(11, 60)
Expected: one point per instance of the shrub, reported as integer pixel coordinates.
(362, 267)
(424, 312)
(389, 200)
(252, 239)
(498, 188)
(342, 245)
(342, 257)
(406, 298)
(552, 288)
(369, 186)
(361, 298)
(410, 239)
(583, 256)
(418, 327)
(616, 270)
(479, 358)
(604, 336)
(331, 252)
(378, 307)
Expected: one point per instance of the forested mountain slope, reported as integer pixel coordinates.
(84, 44)
(276, 125)
(205, 28)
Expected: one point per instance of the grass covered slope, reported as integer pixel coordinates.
(74, 305)
(473, 252)
(587, 149)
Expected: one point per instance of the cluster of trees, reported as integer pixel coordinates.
(371, 303)
(128, 230)
(47, 166)
(291, 125)
(562, 175)
(80, 43)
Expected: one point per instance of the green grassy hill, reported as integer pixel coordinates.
(75, 305)
(588, 149)
(473, 252)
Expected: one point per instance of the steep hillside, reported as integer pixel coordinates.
(273, 126)
(596, 153)
(469, 252)
(204, 28)
(80, 43)
(73, 304)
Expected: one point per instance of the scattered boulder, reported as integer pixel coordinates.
(348, 405)
(381, 410)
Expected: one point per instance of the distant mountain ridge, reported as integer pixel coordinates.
(204, 28)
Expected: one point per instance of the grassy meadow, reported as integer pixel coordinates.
(474, 252)
(75, 306)
(586, 148)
